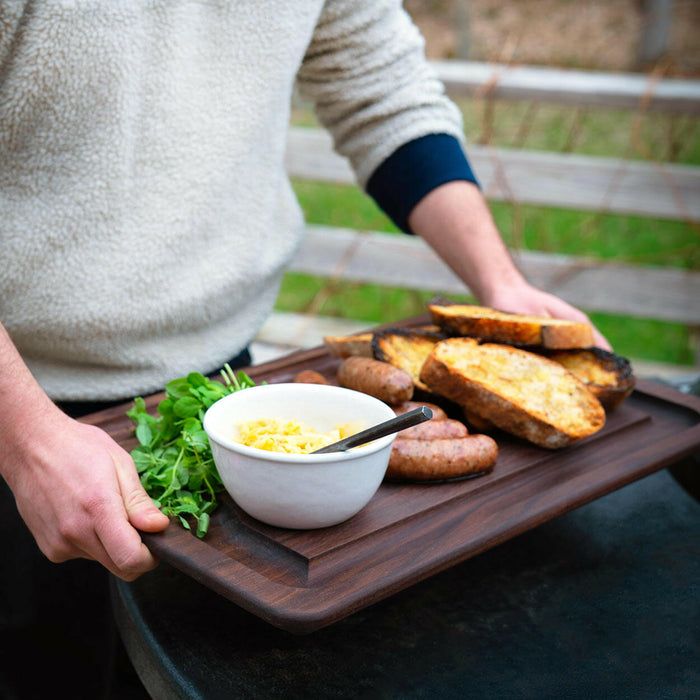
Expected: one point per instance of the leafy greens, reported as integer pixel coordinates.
(173, 457)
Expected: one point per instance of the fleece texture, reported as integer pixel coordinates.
(145, 214)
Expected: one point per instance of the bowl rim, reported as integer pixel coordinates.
(297, 458)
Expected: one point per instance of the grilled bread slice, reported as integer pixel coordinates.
(520, 392)
(406, 348)
(607, 375)
(359, 344)
(514, 329)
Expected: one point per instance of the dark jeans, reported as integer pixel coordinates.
(58, 633)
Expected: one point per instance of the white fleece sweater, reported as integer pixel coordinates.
(145, 214)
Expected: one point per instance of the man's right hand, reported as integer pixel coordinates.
(76, 489)
(80, 495)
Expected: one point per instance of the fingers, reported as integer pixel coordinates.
(558, 308)
(120, 550)
(117, 544)
(98, 530)
(113, 515)
(117, 550)
(141, 511)
(102, 532)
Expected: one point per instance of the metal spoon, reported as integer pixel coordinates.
(393, 425)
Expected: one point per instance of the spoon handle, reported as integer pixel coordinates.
(393, 425)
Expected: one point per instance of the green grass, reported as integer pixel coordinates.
(623, 238)
(605, 133)
(630, 239)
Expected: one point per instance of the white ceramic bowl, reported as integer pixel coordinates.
(299, 490)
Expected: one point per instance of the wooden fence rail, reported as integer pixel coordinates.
(570, 87)
(407, 261)
(614, 185)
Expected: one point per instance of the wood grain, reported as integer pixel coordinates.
(303, 580)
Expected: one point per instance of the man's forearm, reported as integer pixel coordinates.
(454, 219)
(21, 397)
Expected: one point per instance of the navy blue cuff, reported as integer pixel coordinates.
(415, 169)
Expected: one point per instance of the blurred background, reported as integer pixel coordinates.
(581, 120)
(599, 35)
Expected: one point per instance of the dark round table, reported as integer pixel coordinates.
(602, 602)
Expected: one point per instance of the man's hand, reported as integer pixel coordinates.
(79, 493)
(454, 219)
(76, 489)
(526, 299)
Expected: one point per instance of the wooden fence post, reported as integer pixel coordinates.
(462, 25)
(656, 28)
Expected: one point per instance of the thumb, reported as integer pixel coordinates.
(143, 514)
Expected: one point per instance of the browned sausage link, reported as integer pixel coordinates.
(441, 458)
(379, 379)
(406, 406)
(433, 429)
(310, 376)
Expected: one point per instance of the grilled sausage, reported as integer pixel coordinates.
(435, 429)
(310, 376)
(406, 406)
(446, 458)
(379, 379)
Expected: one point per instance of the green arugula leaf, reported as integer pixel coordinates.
(187, 406)
(144, 434)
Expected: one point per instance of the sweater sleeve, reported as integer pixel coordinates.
(415, 169)
(366, 73)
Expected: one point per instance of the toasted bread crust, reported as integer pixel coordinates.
(607, 375)
(405, 348)
(515, 329)
(477, 422)
(359, 345)
(522, 393)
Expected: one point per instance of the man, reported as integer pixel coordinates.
(147, 217)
